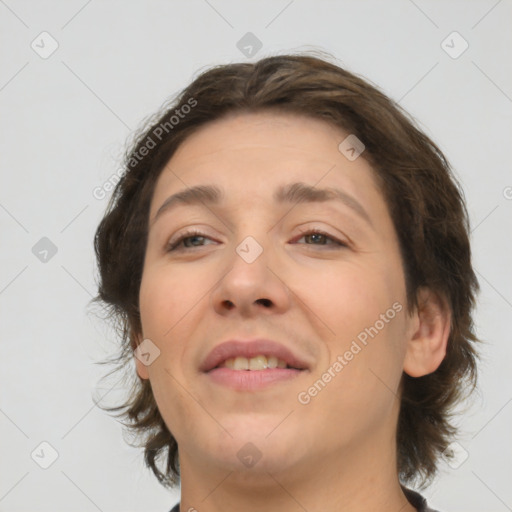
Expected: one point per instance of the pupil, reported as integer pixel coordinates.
(315, 235)
(191, 238)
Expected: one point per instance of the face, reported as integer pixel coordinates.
(322, 278)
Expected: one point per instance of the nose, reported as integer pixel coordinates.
(253, 284)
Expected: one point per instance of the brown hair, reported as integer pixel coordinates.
(424, 199)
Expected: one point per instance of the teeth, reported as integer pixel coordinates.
(272, 362)
(259, 362)
(241, 363)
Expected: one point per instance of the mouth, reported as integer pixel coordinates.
(252, 365)
(257, 363)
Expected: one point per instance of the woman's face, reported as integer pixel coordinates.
(254, 270)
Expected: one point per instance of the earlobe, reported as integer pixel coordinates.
(426, 345)
(142, 370)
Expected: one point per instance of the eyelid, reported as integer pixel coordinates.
(337, 242)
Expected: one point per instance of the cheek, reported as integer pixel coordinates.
(164, 303)
(361, 318)
(346, 299)
(356, 391)
(166, 297)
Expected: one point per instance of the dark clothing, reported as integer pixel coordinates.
(414, 498)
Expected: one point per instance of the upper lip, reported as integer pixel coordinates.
(251, 348)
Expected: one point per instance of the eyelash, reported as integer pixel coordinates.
(193, 233)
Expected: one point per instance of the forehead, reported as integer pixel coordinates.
(252, 154)
(270, 129)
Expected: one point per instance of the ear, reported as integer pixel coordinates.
(427, 341)
(135, 341)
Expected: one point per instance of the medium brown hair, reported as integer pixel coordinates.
(424, 199)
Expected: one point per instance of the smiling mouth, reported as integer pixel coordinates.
(256, 363)
(246, 379)
(253, 373)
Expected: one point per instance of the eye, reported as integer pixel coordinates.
(188, 235)
(198, 236)
(318, 234)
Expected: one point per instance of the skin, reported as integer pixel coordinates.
(338, 451)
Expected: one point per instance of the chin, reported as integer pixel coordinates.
(260, 428)
(255, 446)
(252, 464)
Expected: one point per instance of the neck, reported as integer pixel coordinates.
(351, 482)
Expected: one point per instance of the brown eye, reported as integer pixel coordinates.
(319, 235)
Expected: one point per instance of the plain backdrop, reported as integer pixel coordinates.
(65, 117)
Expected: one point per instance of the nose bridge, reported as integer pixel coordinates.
(251, 257)
(253, 277)
(252, 230)
(253, 243)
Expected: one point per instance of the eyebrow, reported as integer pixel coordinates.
(291, 193)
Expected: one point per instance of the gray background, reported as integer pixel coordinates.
(65, 119)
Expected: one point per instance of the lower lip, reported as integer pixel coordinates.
(246, 380)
